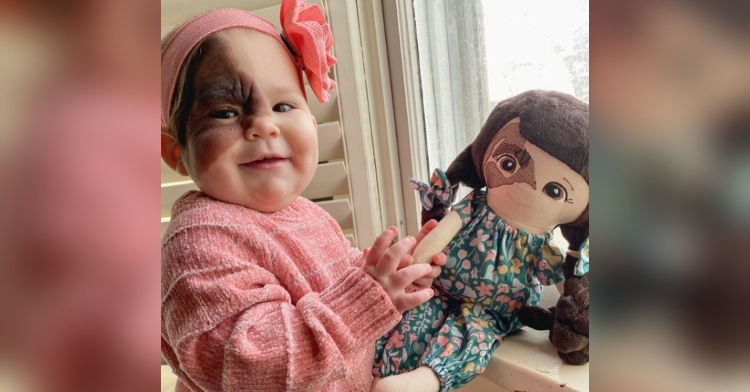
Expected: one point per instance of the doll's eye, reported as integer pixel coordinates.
(508, 163)
(282, 107)
(555, 191)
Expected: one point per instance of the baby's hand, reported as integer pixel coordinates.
(382, 262)
(438, 260)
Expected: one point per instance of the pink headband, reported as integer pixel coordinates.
(304, 27)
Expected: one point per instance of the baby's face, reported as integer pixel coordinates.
(529, 188)
(251, 139)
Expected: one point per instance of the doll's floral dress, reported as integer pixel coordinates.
(492, 270)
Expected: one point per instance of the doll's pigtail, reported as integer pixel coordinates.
(463, 171)
(437, 213)
(576, 234)
(570, 332)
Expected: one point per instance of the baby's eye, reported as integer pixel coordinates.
(223, 114)
(507, 163)
(555, 191)
(282, 107)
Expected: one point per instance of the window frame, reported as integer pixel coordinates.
(390, 109)
(408, 102)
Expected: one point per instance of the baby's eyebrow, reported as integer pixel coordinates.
(221, 90)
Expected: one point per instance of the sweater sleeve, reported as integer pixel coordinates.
(233, 326)
(353, 254)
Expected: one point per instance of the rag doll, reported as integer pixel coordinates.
(528, 168)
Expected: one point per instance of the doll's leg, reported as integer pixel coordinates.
(399, 351)
(462, 348)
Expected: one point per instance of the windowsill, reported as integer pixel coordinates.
(526, 361)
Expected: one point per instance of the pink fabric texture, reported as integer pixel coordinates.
(266, 302)
(304, 26)
(306, 30)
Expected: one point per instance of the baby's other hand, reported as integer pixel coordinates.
(382, 262)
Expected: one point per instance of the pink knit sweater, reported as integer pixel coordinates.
(266, 302)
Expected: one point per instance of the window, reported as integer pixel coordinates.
(473, 54)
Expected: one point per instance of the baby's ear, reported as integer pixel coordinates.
(172, 154)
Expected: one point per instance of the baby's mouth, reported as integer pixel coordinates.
(265, 163)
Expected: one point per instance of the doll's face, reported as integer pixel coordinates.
(529, 188)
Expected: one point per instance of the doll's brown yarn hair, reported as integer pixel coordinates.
(557, 123)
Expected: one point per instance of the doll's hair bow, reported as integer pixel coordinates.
(310, 39)
(438, 191)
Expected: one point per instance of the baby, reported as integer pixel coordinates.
(260, 289)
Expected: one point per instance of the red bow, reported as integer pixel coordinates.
(309, 35)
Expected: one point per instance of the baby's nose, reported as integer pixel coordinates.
(262, 127)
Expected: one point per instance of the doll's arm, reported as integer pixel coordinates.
(438, 238)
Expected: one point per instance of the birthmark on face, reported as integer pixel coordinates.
(225, 101)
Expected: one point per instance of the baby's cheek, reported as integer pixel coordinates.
(212, 144)
(309, 143)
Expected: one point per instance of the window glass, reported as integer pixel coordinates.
(537, 44)
(475, 53)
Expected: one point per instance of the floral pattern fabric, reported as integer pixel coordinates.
(492, 270)
(438, 192)
(582, 266)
